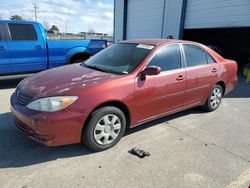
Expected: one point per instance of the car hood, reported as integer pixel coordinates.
(60, 81)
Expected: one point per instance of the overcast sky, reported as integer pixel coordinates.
(80, 15)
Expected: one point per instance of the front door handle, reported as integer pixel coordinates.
(180, 77)
(39, 47)
(2, 48)
(214, 70)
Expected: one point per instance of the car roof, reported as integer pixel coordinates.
(154, 42)
(18, 22)
(159, 42)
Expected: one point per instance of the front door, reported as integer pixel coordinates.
(157, 95)
(27, 48)
(5, 66)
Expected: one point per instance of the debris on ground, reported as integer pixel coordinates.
(139, 152)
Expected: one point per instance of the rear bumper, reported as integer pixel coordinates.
(231, 85)
(51, 129)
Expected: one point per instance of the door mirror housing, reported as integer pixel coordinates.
(152, 70)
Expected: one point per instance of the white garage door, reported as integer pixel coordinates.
(217, 13)
(144, 18)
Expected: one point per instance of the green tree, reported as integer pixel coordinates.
(16, 17)
(55, 28)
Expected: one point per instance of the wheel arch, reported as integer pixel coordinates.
(77, 50)
(118, 104)
(223, 85)
(78, 54)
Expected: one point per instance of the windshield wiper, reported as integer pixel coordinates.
(102, 70)
(93, 67)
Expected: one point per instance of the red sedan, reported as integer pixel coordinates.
(123, 86)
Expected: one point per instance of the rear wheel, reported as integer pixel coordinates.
(214, 99)
(104, 129)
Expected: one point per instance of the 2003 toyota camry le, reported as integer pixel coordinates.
(125, 85)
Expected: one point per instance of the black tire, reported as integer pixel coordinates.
(208, 106)
(78, 61)
(95, 119)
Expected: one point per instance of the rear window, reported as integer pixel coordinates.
(195, 56)
(210, 60)
(22, 32)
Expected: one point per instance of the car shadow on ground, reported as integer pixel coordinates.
(165, 119)
(16, 150)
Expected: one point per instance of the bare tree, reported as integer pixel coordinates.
(91, 31)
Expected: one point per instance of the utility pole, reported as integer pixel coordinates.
(35, 8)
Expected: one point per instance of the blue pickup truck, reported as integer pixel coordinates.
(24, 48)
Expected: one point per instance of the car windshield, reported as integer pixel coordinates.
(120, 58)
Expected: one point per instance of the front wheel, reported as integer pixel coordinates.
(214, 99)
(104, 129)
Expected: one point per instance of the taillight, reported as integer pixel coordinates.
(104, 45)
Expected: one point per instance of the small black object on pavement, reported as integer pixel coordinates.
(139, 152)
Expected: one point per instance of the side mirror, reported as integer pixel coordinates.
(153, 70)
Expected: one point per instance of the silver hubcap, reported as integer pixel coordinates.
(215, 98)
(107, 129)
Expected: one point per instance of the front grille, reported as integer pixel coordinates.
(23, 99)
(20, 127)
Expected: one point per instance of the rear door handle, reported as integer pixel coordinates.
(180, 77)
(39, 47)
(2, 48)
(214, 70)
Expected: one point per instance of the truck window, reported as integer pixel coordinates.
(22, 32)
(1, 32)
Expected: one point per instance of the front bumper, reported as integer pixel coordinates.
(51, 129)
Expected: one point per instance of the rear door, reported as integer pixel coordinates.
(159, 94)
(5, 66)
(27, 49)
(202, 74)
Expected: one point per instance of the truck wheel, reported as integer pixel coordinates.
(104, 129)
(214, 99)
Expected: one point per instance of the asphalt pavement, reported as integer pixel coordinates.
(188, 149)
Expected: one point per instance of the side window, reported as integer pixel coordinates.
(1, 32)
(194, 55)
(168, 58)
(22, 32)
(210, 60)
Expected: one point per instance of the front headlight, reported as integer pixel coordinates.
(51, 104)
